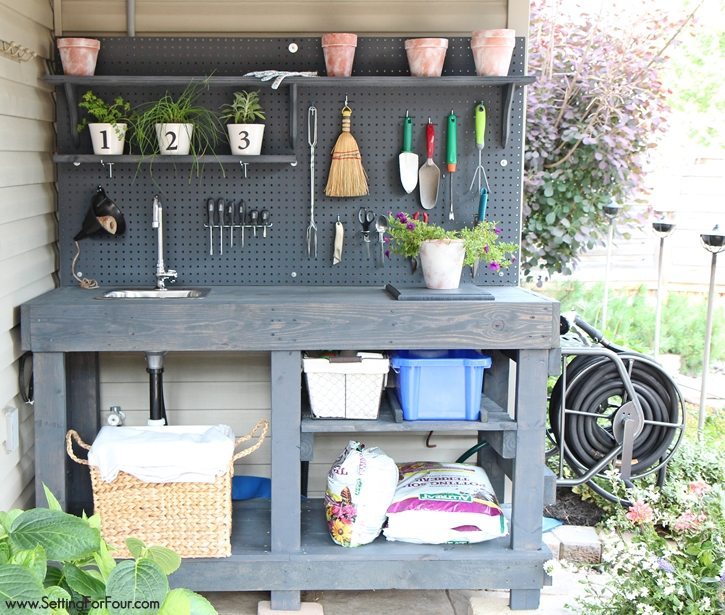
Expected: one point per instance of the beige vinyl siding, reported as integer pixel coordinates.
(236, 17)
(27, 218)
(234, 389)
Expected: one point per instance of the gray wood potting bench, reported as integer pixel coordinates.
(284, 547)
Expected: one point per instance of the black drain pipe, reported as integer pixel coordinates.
(155, 369)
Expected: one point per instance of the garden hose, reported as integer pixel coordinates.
(594, 386)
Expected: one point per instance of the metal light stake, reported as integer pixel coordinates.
(611, 211)
(714, 242)
(663, 228)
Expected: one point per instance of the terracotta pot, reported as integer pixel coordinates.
(442, 263)
(174, 139)
(339, 50)
(78, 55)
(426, 56)
(492, 51)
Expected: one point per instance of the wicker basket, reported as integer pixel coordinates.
(193, 519)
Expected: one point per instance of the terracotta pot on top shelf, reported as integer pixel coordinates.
(426, 56)
(339, 50)
(492, 51)
(78, 55)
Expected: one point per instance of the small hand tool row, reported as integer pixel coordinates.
(225, 214)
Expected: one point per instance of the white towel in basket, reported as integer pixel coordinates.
(170, 454)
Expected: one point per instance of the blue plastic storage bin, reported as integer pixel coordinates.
(440, 384)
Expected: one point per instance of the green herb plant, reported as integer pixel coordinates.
(61, 563)
(182, 109)
(482, 242)
(244, 109)
(118, 112)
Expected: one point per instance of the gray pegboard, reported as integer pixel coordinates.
(282, 189)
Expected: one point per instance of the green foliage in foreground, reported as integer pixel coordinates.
(59, 563)
(631, 320)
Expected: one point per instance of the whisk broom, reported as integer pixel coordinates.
(347, 176)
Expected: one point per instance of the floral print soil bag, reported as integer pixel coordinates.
(438, 503)
(360, 487)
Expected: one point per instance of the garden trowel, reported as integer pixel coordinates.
(429, 175)
(407, 159)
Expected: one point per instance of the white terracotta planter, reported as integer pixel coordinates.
(174, 139)
(492, 51)
(442, 263)
(79, 55)
(107, 139)
(245, 139)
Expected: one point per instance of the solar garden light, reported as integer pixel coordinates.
(714, 242)
(611, 210)
(663, 227)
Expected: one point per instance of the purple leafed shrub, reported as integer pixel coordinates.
(597, 109)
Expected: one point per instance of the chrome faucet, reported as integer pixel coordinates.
(162, 274)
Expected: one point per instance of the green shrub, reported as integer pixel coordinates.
(631, 319)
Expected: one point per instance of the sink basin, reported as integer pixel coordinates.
(155, 293)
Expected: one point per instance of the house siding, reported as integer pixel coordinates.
(27, 218)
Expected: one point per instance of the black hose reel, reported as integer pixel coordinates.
(611, 407)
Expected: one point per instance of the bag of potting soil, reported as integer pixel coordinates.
(360, 487)
(437, 503)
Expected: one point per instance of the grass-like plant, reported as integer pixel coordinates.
(117, 112)
(244, 109)
(182, 109)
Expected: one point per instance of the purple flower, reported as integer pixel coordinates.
(498, 230)
(387, 253)
(410, 226)
(402, 217)
(494, 266)
(663, 564)
(486, 249)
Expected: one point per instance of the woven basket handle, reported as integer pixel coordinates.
(69, 437)
(259, 431)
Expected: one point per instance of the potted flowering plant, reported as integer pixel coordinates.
(443, 253)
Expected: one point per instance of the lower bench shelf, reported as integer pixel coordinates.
(323, 565)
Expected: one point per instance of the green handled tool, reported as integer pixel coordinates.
(480, 124)
(451, 156)
(480, 173)
(407, 160)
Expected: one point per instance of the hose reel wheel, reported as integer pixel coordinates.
(603, 395)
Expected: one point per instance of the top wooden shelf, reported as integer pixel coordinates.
(371, 81)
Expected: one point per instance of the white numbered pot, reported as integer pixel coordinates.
(442, 263)
(174, 139)
(107, 139)
(245, 139)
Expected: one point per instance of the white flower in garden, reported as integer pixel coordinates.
(550, 566)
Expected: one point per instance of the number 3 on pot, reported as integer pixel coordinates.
(243, 142)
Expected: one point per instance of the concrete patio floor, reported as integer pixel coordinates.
(434, 602)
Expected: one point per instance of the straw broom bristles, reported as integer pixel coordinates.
(347, 176)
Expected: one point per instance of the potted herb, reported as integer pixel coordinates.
(245, 135)
(443, 253)
(108, 132)
(177, 125)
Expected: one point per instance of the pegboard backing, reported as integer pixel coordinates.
(281, 258)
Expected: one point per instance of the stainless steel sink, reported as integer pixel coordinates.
(155, 293)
